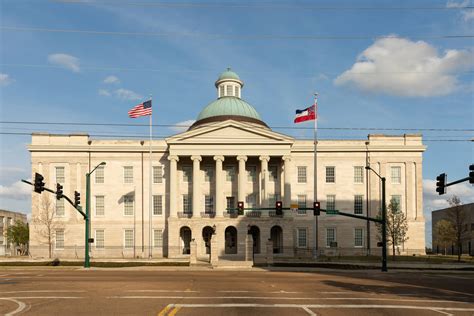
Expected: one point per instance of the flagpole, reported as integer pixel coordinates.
(150, 204)
(315, 179)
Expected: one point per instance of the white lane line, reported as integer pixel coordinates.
(336, 292)
(4, 275)
(40, 297)
(236, 291)
(290, 298)
(20, 308)
(441, 312)
(164, 291)
(43, 291)
(282, 291)
(310, 312)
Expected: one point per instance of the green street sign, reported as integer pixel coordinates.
(332, 212)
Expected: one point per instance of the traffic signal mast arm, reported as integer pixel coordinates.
(78, 208)
(457, 181)
(377, 220)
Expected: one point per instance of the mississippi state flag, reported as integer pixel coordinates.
(307, 114)
(142, 109)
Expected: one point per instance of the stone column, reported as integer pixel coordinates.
(193, 256)
(173, 185)
(269, 252)
(248, 247)
(242, 178)
(264, 181)
(197, 207)
(220, 207)
(287, 181)
(214, 250)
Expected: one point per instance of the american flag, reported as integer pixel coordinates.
(142, 109)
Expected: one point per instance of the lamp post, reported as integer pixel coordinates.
(87, 263)
(384, 222)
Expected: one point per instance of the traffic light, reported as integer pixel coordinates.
(471, 174)
(316, 208)
(441, 184)
(279, 208)
(39, 184)
(77, 198)
(59, 191)
(240, 207)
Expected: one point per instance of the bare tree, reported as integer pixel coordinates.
(397, 226)
(445, 233)
(457, 217)
(46, 221)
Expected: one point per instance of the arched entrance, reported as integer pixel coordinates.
(185, 235)
(255, 232)
(231, 240)
(276, 234)
(206, 236)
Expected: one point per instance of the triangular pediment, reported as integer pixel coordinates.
(230, 132)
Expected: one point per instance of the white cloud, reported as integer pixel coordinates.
(182, 126)
(16, 191)
(405, 68)
(5, 79)
(66, 61)
(455, 4)
(467, 15)
(104, 92)
(111, 80)
(127, 94)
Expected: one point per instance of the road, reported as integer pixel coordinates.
(181, 291)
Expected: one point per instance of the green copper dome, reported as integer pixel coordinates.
(228, 74)
(226, 106)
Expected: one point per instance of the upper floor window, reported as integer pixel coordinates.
(99, 205)
(358, 204)
(272, 198)
(396, 175)
(252, 173)
(330, 174)
(208, 204)
(99, 238)
(208, 173)
(396, 200)
(301, 174)
(301, 204)
(187, 173)
(60, 208)
(129, 239)
(302, 237)
(251, 200)
(230, 173)
(273, 173)
(128, 174)
(59, 238)
(330, 236)
(157, 238)
(358, 237)
(60, 178)
(331, 202)
(128, 204)
(187, 209)
(157, 174)
(99, 174)
(358, 174)
(157, 204)
(230, 200)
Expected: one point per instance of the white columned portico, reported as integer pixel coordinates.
(220, 207)
(264, 181)
(173, 185)
(242, 178)
(287, 181)
(196, 182)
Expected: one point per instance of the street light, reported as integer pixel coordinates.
(87, 263)
(384, 222)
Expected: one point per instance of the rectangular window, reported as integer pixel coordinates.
(158, 174)
(187, 174)
(99, 174)
(128, 204)
(229, 90)
(128, 238)
(301, 204)
(208, 173)
(237, 91)
(301, 174)
(157, 238)
(396, 173)
(157, 204)
(398, 200)
(358, 237)
(128, 174)
(358, 204)
(358, 174)
(302, 232)
(330, 174)
(60, 178)
(252, 173)
(272, 198)
(273, 173)
(230, 201)
(187, 204)
(330, 202)
(60, 208)
(230, 173)
(330, 236)
(221, 91)
(208, 204)
(99, 205)
(250, 200)
(99, 239)
(59, 239)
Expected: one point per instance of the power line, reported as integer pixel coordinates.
(228, 36)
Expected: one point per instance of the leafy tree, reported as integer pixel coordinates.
(445, 233)
(18, 235)
(397, 226)
(46, 223)
(458, 218)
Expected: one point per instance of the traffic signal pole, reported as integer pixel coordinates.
(87, 263)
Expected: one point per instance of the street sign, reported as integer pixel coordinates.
(332, 212)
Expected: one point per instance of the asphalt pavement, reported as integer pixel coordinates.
(184, 291)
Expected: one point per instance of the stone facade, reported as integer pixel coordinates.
(8, 218)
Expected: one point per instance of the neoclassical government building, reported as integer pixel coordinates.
(228, 155)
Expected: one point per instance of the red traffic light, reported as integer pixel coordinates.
(316, 208)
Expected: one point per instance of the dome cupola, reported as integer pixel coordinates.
(229, 84)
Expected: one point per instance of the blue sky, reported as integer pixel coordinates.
(283, 51)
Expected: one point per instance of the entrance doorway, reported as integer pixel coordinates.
(231, 240)
(276, 234)
(255, 232)
(206, 236)
(185, 235)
